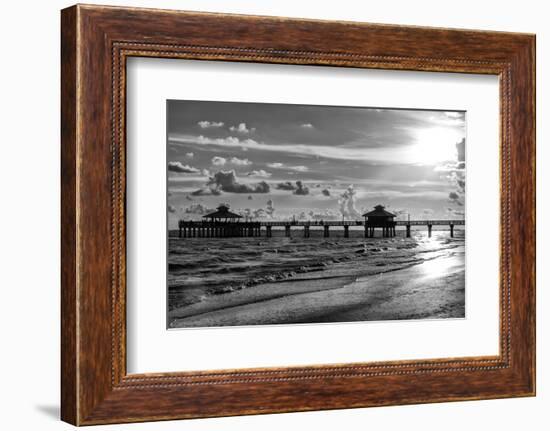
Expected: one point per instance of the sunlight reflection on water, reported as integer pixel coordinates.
(437, 267)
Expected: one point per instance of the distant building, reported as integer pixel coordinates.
(222, 214)
(381, 218)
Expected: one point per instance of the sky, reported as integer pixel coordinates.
(282, 161)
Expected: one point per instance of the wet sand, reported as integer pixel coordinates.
(433, 288)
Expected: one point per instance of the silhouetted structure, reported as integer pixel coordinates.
(222, 213)
(381, 218)
(223, 223)
(219, 224)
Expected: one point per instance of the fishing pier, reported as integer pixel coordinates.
(223, 224)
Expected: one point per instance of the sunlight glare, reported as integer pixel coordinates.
(435, 145)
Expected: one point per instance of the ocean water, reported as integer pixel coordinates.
(202, 268)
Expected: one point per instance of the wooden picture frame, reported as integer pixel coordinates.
(95, 43)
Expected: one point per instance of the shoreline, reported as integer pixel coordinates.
(212, 268)
(429, 288)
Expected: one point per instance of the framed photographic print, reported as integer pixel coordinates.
(267, 215)
(268, 229)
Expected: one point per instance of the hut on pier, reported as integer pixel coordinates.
(222, 214)
(219, 224)
(381, 218)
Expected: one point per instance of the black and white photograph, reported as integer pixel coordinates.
(306, 214)
(275, 215)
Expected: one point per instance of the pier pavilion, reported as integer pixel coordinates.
(221, 223)
(222, 214)
(381, 218)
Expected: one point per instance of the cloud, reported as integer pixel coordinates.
(255, 213)
(327, 214)
(240, 162)
(454, 114)
(307, 125)
(326, 192)
(270, 209)
(337, 152)
(259, 174)
(198, 209)
(259, 213)
(457, 178)
(278, 165)
(450, 167)
(456, 172)
(461, 150)
(395, 211)
(207, 191)
(171, 209)
(455, 212)
(241, 128)
(221, 161)
(297, 188)
(190, 155)
(227, 181)
(181, 168)
(399, 212)
(301, 189)
(209, 124)
(287, 185)
(448, 119)
(347, 203)
(455, 198)
(459, 175)
(218, 161)
(244, 212)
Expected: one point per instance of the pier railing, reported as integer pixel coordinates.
(221, 229)
(359, 223)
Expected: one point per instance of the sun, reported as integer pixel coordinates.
(435, 145)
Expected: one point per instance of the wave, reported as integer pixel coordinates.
(201, 268)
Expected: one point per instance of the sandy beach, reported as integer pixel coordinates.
(418, 279)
